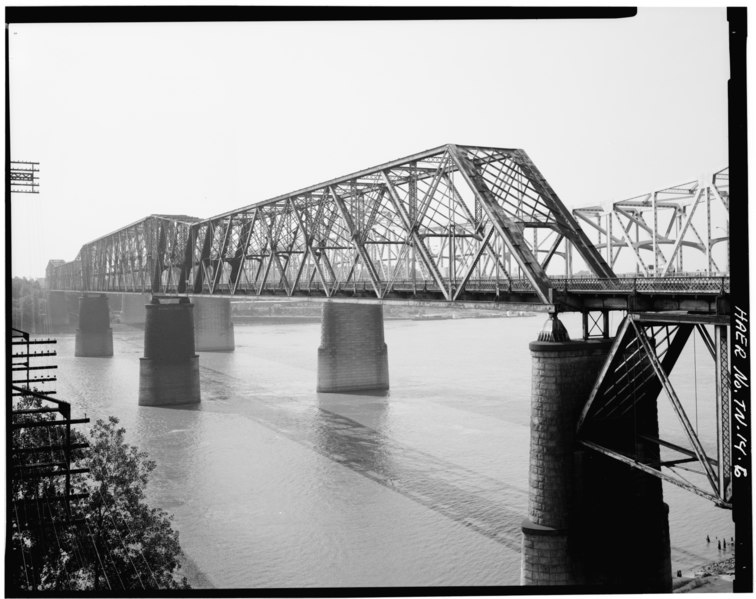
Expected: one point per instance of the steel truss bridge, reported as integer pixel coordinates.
(454, 224)
(474, 224)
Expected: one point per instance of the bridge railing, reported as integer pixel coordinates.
(632, 284)
(686, 284)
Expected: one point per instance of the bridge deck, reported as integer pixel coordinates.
(702, 295)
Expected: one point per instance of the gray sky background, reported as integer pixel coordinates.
(128, 120)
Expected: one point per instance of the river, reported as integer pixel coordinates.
(274, 485)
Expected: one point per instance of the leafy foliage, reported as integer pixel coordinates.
(145, 550)
(113, 539)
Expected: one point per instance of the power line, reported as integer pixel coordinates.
(97, 553)
(21, 545)
(31, 557)
(102, 498)
(57, 539)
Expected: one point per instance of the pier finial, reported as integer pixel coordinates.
(553, 330)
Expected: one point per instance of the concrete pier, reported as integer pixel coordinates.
(94, 337)
(169, 370)
(213, 329)
(132, 308)
(562, 378)
(352, 355)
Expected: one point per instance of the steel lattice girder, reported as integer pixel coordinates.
(635, 373)
(445, 219)
(135, 258)
(665, 223)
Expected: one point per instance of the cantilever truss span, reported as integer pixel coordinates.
(622, 403)
(451, 223)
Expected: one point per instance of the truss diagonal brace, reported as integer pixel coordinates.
(681, 233)
(630, 244)
(374, 278)
(242, 251)
(412, 231)
(679, 410)
(474, 263)
(552, 250)
(224, 246)
(616, 346)
(309, 249)
(507, 229)
(566, 223)
(652, 471)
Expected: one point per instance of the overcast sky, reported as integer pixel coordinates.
(128, 120)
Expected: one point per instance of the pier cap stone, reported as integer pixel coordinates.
(564, 346)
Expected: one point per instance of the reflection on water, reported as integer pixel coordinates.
(462, 495)
(273, 484)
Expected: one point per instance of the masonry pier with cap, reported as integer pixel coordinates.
(94, 337)
(352, 355)
(169, 370)
(213, 329)
(591, 520)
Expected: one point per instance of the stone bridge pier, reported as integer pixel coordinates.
(591, 520)
(94, 337)
(352, 355)
(169, 370)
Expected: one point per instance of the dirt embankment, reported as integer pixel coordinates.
(715, 577)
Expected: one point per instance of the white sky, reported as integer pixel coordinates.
(128, 120)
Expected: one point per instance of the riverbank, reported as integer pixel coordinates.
(716, 577)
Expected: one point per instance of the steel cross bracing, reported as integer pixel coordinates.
(679, 229)
(636, 373)
(455, 223)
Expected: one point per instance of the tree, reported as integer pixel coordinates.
(111, 540)
(34, 558)
(145, 551)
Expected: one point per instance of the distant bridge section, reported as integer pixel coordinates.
(454, 223)
(668, 231)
